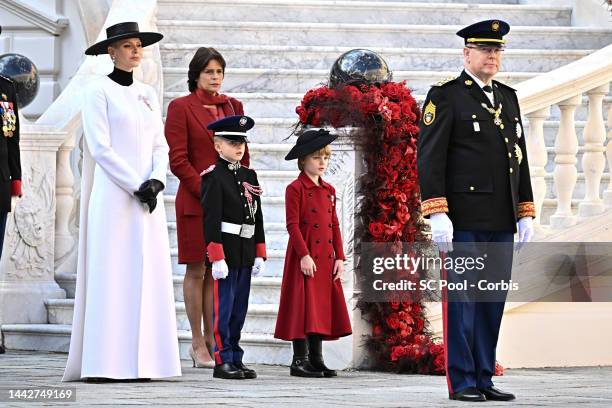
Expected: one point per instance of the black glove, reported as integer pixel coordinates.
(152, 203)
(149, 190)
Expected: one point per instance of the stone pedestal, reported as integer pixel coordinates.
(343, 173)
(27, 265)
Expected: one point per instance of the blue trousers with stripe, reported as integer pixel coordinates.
(231, 302)
(471, 328)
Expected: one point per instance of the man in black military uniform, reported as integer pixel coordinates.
(475, 187)
(10, 162)
(234, 232)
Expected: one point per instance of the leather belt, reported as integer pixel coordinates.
(243, 230)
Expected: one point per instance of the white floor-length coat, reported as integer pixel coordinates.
(124, 322)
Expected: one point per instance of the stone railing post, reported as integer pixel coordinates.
(607, 195)
(538, 157)
(65, 239)
(593, 160)
(565, 172)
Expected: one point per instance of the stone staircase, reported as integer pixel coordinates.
(275, 52)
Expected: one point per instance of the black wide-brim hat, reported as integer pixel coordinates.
(310, 141)
(119, 32)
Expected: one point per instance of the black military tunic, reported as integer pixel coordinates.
(472, 159)
(10, 163)
(225, 198)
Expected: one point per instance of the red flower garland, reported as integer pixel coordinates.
(388, 118)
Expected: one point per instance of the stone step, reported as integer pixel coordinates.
(261, 318)
(276, 235)
(283, 105)
(372, 35)
(268, 179)
(274, 208)
(274, 262)
(243, 80)
(323, 57)
(264, 290)
(259, 348)
(365, 12)
(453, 1)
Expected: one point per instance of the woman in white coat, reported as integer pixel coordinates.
(124, 324)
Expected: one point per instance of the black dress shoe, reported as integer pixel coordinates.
(495, 394)
(248, 372)
(303, 368)
(228, 371)
(470, 394)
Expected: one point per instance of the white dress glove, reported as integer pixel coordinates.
(525, 230)
(442, 231)
(258, 267)
(220, 269)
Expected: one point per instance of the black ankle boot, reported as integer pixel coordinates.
(300, 366)
(315, 354)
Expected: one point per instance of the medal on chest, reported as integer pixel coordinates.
(9, 119)
(496, 113)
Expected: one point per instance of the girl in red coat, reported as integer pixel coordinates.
(192, 151)
(312, 306)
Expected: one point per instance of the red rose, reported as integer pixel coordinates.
(376, 229)
(499, 370)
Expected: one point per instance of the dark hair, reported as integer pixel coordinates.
(199, 61)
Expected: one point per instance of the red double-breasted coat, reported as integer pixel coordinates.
(192, 151)
(312, 305)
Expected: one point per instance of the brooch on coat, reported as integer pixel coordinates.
(145, 101)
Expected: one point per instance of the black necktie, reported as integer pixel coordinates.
(487, 88)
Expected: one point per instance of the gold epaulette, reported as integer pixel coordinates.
(444, 81)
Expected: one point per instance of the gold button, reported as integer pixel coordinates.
(473, 116)
(471, 188)
(506, 139)
(511, 170)
(509, 155)
(516, 119)
(501, 126)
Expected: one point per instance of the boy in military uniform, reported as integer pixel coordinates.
(234, 233)
(10, 163)
(475, 187)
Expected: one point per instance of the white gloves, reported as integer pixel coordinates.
(219, 269)
(442, 231)
(258, 267)
(525, 230)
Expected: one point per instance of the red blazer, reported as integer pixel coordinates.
(191, 147)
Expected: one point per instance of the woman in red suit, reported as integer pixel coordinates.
(312, 306)
(191, 152)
